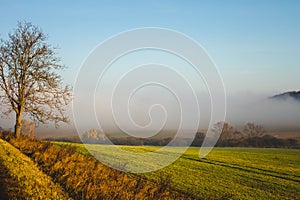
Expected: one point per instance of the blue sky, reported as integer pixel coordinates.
(255, 44)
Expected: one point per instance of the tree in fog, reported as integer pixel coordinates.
(27, 128)
(253, 130)
(227, 131)
(29, 82)
(93, 136)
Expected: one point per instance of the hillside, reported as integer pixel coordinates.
(287, 95)
(21, 178)
(83, 177)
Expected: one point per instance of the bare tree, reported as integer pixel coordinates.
(27, 128)
(93, 136)
(253, 130)
(227, 131)
(29, 82)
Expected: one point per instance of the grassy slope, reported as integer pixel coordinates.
(9, 187)
(33, 183)
(238, 173)
(83, 177)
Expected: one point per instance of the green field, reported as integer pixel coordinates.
(234, 173)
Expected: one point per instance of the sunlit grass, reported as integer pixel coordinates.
(83, 177)
(240, 173)
(33, 183)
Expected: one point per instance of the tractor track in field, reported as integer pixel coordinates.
(245, 168)
(250, 169)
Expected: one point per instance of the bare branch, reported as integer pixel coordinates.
(29, 79)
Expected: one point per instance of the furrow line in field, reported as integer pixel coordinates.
(246, 168)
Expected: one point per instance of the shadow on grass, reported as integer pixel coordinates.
(9, 188)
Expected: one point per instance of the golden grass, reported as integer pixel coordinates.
(83, 177)
(32, 182)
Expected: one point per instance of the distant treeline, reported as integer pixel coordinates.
(266, 141)
(251, 136)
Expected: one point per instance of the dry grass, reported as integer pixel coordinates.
(23, 179)
(83, 177)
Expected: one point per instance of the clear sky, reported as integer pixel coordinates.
(255, 44)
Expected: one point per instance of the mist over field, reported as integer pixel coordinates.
(274, 115)
(243, 107)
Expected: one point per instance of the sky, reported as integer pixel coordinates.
(254, 44)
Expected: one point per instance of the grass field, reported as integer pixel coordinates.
(21, 178)
(234, 173)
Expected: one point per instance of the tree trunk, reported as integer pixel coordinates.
(18, 125)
